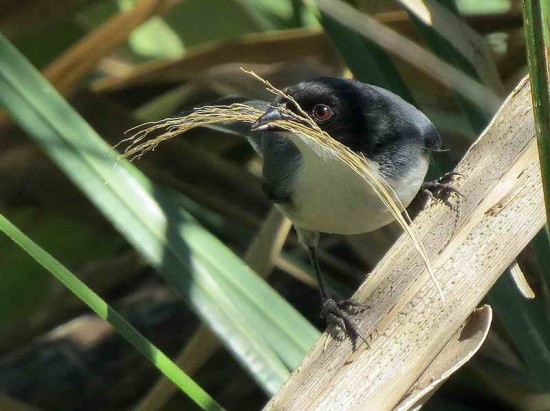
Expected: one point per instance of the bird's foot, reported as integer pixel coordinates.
(339, 318)
(442, 189)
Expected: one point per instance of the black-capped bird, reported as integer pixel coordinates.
(321, 194)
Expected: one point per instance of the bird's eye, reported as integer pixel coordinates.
(322, 112)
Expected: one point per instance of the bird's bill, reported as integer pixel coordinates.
(264, 122)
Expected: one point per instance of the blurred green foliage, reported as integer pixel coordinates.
(219, 180)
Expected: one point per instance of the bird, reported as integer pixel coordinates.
(321, 194)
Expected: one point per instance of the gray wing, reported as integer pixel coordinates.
(282, 160)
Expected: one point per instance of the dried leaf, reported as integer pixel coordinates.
(462, 346)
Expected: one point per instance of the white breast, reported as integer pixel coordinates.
(330, 197)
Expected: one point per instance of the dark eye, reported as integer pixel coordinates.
(322, 112)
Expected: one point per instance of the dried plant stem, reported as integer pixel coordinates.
(406, 324)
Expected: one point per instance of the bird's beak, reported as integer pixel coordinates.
(264, 122)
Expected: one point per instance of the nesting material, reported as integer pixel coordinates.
(149, 135)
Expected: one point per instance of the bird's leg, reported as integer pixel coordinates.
(338, 314)
(442, 188)
(312, 252)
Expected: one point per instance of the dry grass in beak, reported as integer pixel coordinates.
(301, 125)
(139, 143)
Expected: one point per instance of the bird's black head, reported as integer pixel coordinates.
(365, 118)
(335, 104)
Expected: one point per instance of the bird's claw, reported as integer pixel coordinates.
(442, 188)
(340, 324)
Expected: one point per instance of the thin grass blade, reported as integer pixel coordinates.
(103, 310)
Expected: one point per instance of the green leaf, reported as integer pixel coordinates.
(527, 324)
(267, 335)
(103, 310)
(537, 34)
(445, 50)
